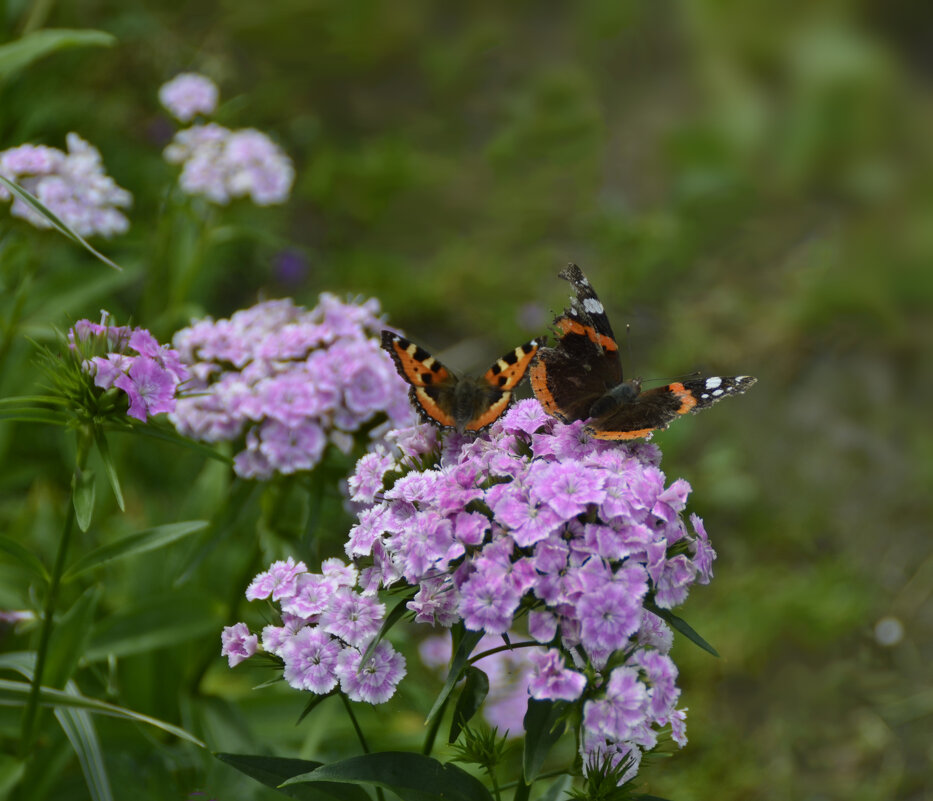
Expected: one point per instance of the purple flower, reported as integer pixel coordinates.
(73, 185)
(352, 618)
(703, 553)
(279, 581)
(567, 489)
(370, 471)
(277, 373)
(237, 643)
(622, 711)
(150, 388)
(550, 680)
(221, 164)
(147, 372)
(311, 658)
(375, 680)
(188, 95)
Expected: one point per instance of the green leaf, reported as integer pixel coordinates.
(34, 415)
(104, 449)
(154, 431)
(156, 622)
(24, 556)
(468, 642)
(69, 638)
(556, 790)
(133, 545)
(11, 771)
(682, 626)
(78, 726)
(390, 620)
(54, 221)
(33, 46)
(82, 486)
(412, 777)
(544, 726)
(14, 693)
(273, 771)
(474, 692)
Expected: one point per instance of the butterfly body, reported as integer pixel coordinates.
(462, 403)
(581, 377)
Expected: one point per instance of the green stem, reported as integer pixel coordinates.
(32, 704)
(431, 735)
(359, 734)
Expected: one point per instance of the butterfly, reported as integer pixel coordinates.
(581, 377)
(465, 404)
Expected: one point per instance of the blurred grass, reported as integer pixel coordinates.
(747, 184)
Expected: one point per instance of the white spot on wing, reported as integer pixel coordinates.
(717, 393)
(712, 383)
(593, 306)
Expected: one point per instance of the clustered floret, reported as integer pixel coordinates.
(533, 527)
(72, 185)
(578, 534)
(189, 94)
(290, 381)
(326, 628)
(217, 163)
(134, 362)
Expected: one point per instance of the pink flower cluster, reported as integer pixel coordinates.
(290, 381)
(72, 185)
(135, 363)
(326, 627)
(221, 164)
(188, 95)
(533, 523)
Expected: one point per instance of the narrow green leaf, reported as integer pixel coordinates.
(558, 788)
(14, 693)
(155, 622)
(544, 726)
(78, 726)
(104, 449)
(390, 620)
(27, 401)
(20, 53)
(11, 771)
(412, 777)
(133, 545)
(682, 626)
(468, 642)
(82, 486)
(273, 771)
(55, 222)
(69, 638)
(24, 556)
(154, 431)
(474, 692)
(33, 415)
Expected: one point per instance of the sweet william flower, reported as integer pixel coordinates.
(282, 378)
(147, 373)
(237, 643)
(189, 94)
(73, 185)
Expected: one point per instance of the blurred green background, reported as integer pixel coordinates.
(747, 184)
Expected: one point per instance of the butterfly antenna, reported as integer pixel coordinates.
(628, 342)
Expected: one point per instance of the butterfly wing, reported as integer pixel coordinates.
(495, 393)
(570, 377)
(657, 408)
(433, 386)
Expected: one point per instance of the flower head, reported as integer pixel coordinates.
(220, 164)
(188, 95)
(130, 360)
(287, 380)
(72, 185)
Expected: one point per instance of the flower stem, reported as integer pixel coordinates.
(359, 734)
(32, 704)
